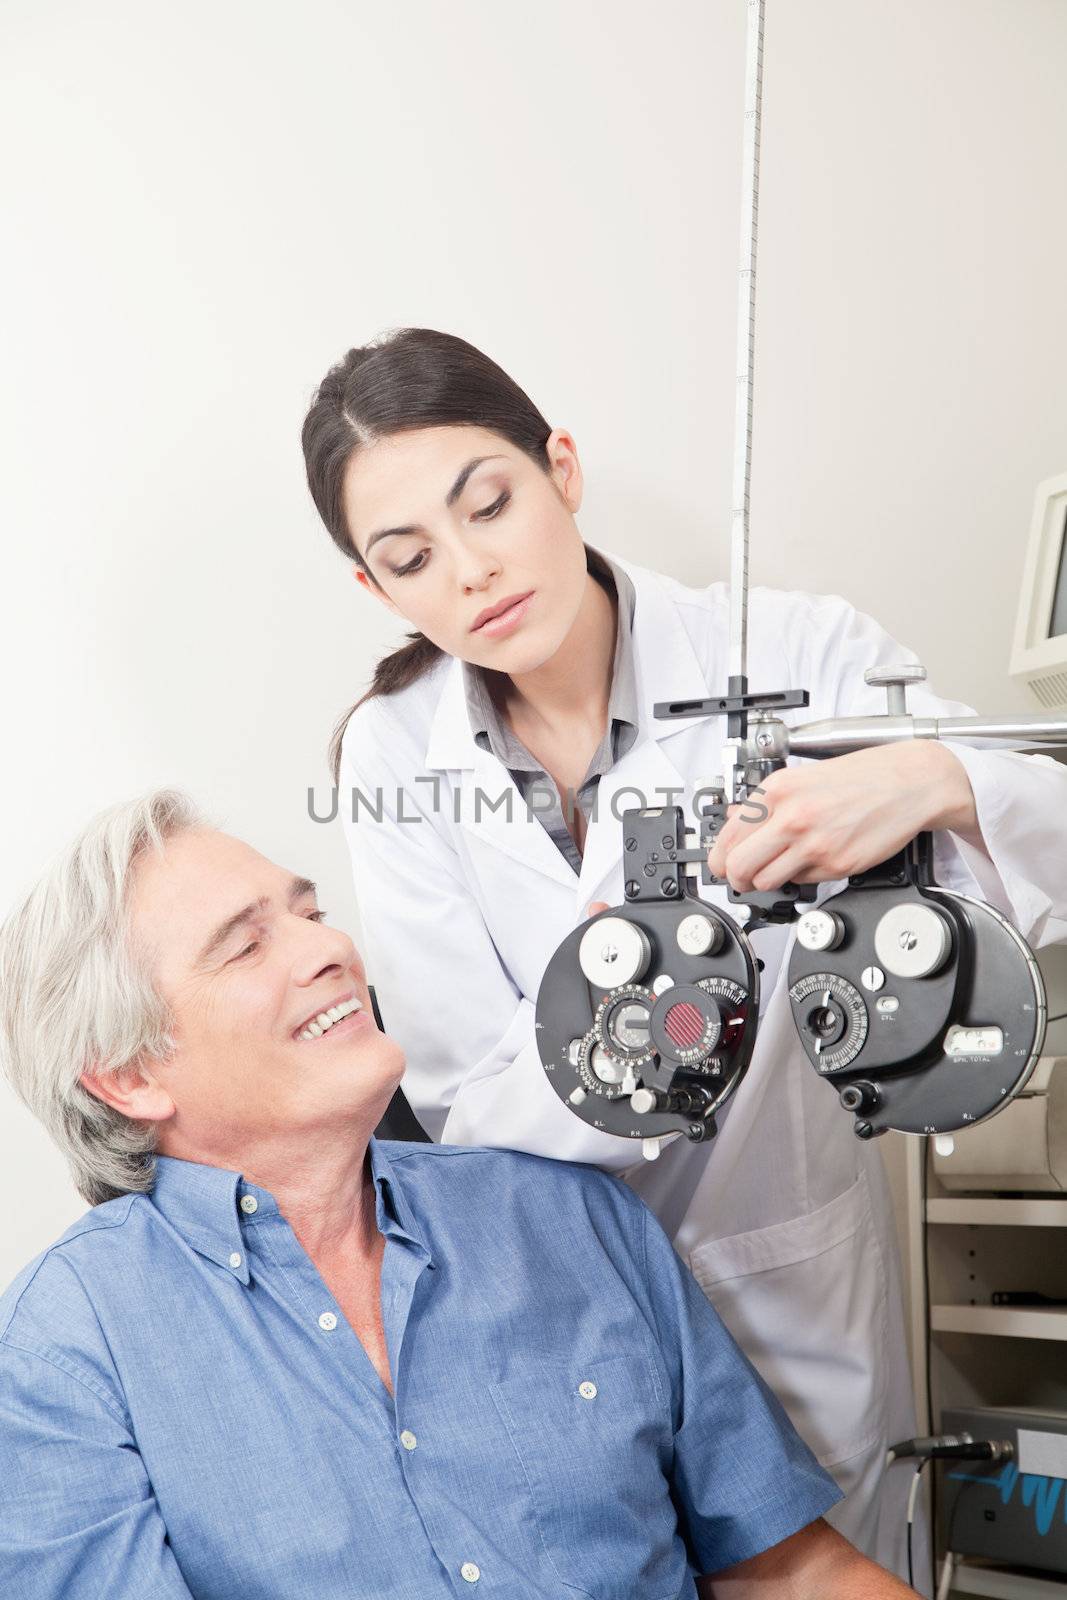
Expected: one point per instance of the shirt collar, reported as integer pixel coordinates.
(486, 725)
(396, 1219)
(203, 1204)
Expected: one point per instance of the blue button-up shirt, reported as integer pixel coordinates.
(184, 1409)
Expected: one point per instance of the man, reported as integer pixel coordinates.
(281, 1359)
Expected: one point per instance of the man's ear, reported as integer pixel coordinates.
(372, 588)
(132, 1090)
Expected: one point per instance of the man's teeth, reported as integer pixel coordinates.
(326, 1019)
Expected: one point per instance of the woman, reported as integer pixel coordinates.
(481, 780)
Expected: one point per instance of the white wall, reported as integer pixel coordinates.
(208, 204)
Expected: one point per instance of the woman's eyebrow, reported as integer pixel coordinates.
(450, 499)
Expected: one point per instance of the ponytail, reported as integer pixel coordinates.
(392, 673)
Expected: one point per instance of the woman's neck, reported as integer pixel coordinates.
(574, 685)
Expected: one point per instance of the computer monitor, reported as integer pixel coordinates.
(1039, 651)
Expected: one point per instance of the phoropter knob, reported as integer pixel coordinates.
(895, 681)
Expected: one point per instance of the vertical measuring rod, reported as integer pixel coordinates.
(746, 355)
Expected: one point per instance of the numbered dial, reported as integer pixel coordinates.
(602, 1073)
(833, 1017)
(621, 1026)
(734, 1000)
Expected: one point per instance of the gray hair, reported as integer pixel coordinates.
(75, 995)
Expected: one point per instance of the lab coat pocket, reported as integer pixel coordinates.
(593, 1438)
(806, 1301)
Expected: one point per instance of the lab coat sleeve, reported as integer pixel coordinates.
(78, 1517)
(1020, 799)
(473, 1073)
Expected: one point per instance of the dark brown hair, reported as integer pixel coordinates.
(406, 379)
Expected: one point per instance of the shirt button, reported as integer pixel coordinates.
(249, 1203)
(587, 1390)
(469, 1571)
(408, 1439)
(235, 1259)
(327, 1322)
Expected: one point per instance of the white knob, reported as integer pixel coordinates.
(895, 681)
(613, 951)
(912, 940)
(820, 930)
(698, 935)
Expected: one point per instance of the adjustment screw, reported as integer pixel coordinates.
(667, 842)
(863, 1130)
(649, 870)
(631, 844)
(669, 886)
(696, 1130)
(632, 888)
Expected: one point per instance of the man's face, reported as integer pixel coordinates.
(237, 949)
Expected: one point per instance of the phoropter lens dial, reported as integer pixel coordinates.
(602, 1073)
(834, 1017)
(621, 1026)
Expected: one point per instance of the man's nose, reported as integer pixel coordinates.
(325, 949)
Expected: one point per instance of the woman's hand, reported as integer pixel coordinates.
(833, 818)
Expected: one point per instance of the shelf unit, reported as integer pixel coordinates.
(1000, 1584)
(981, 1354)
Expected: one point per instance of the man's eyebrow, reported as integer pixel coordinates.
(450, 499)
(298, 888)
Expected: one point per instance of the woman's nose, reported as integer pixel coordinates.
(476, 571)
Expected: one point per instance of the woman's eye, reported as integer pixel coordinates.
(485, 515)
(248, 950)
(415, 565)
(316, 916)
(496, 507)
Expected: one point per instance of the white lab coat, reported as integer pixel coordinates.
(784, 1217)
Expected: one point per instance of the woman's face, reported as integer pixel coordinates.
(455, 523)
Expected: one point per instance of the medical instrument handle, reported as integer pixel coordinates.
(842, 735)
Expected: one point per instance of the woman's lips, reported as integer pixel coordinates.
(507, 620)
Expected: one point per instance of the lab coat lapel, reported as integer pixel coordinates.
(654, 771)
(494, 810)
(490, 806)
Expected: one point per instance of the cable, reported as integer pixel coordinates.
(929, 1362)
(948, 1572)
(913, 1495)
(953, 1447)
(943, 1447)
